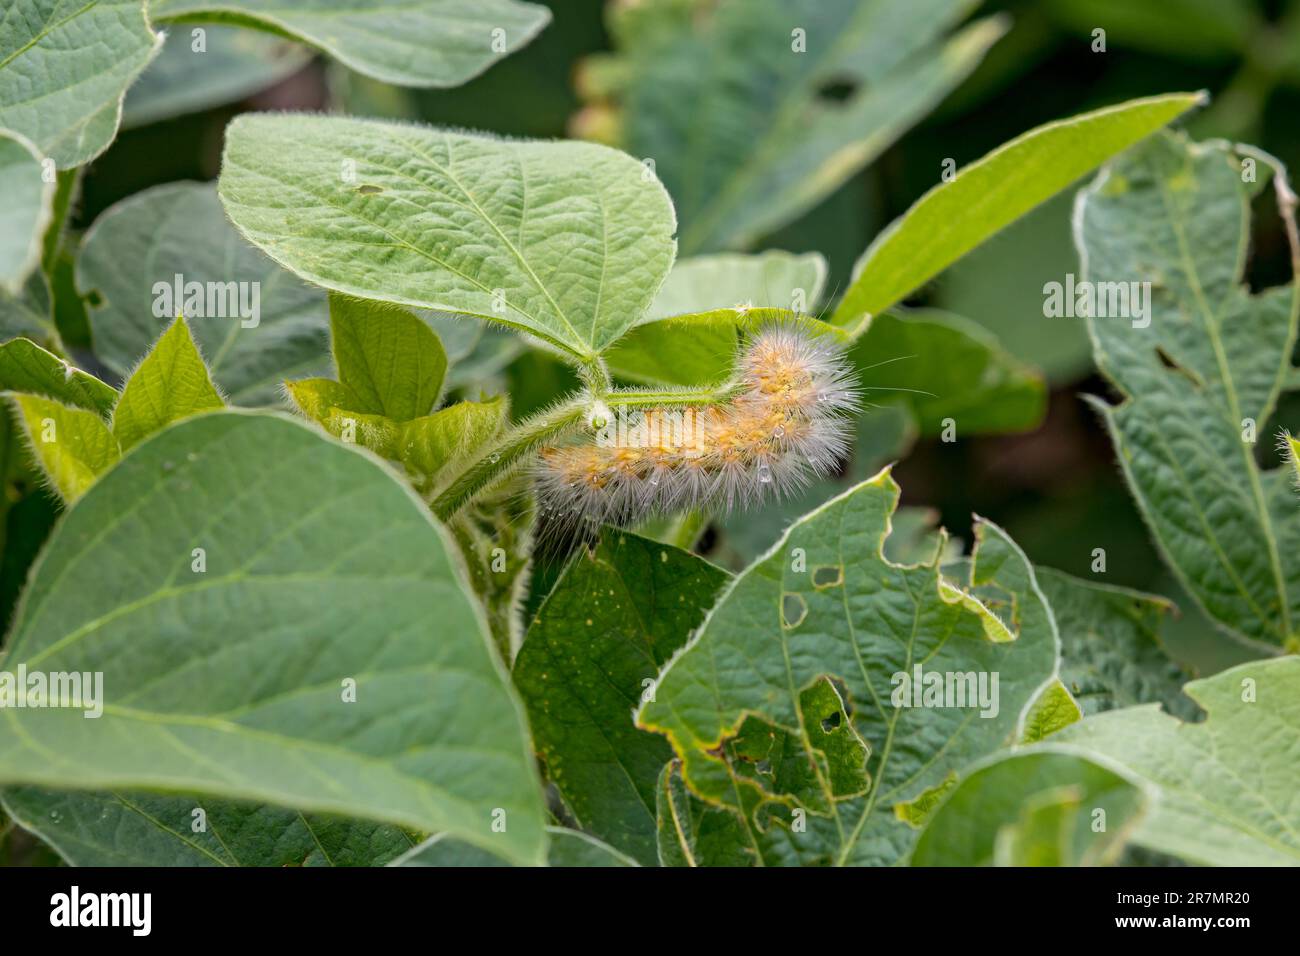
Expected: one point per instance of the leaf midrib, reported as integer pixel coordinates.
(44, 32)
(1225, 374)
(401, 242)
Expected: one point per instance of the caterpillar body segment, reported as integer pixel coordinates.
(785, 422)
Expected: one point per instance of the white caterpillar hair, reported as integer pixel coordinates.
(786, 422)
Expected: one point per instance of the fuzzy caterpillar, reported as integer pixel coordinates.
(785, 422)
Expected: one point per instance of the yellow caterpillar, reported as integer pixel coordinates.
(784, 423)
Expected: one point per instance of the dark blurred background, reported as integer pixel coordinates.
(1056, 489)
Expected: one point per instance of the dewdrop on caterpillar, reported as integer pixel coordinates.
(784, 423)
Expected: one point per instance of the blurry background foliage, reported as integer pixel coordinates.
(806, 154)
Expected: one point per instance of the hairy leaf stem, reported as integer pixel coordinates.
(517, 443)
(508, 451)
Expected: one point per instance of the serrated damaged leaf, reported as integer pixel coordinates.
(870, 632)
(1199, 361)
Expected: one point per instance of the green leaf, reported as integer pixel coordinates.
(25, 209)
(941, 366)
(64, 66)
(570, 848)
(1291, 450)
(1054, 709)
(316, 396)
(692, 832)
(935, 365)
(375, 432)
(234, 63)
(426, 43)
(771, 279)
(1034, 809)
(710, 295)
(72, 445)
(1228, 793)
(700, 348)
(256, 324)
(318, 568)
(955, 217)
(438, 220)
(567, 848)
(695, 349)
(735, 100)
(1180, 29)
(426, 445)
(26, 367)
(614, 618)
(146, 829)
(171, 383)
(1111, 652)
(390, 360)
(1200, 373)
(29, 312)
(825, 603)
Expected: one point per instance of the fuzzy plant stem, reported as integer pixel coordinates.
(525, 438)
(510, 450)
(673, 398)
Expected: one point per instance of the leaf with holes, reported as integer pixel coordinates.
(1199, 361)
(788, 98)
(566, 241)
(247, 544)
(1111, 651)
(825, 608)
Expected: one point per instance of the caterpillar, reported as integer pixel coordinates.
(784, 422)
